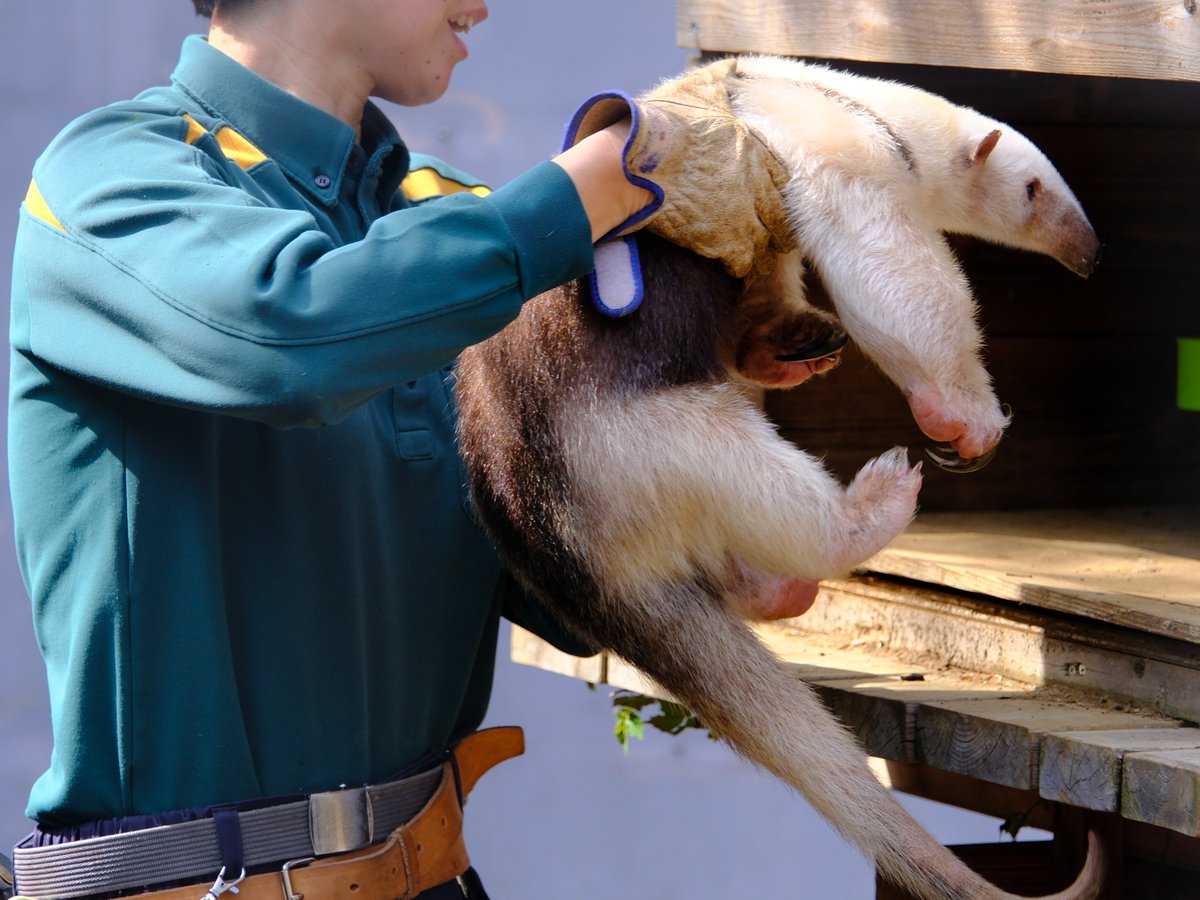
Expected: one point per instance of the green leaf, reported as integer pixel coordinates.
(630, 700)
(628, 725)
(629, 722)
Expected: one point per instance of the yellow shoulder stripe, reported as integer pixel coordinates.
(37, 206)
(233, 145)
(195, 129)
(422, 183)
(237, 148)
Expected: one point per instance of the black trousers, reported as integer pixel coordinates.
(468, 886)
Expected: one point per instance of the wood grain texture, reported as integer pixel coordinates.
(882, 713)
(1085, 768)
(920, 623)
(930, 628)
(1164, 788)
(1139, 569)
(1158, 39)
(999, 740)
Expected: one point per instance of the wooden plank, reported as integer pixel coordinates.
(1136, 569)
(817, 657)
(915, 623)
(991, 731)
(932, 628)
(1144, 39)
(1084, 768)
(1036, 98)
(530, 650)
(1163, 788)
(881, 713)
(999, 740)
(1123, 675)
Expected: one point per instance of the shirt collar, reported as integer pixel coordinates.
(308, 143)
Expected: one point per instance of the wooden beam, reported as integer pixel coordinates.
(1086, 768)
(1144, 39)
(1163, 788)
(999, 740)
(881, 713)
(919, 624)
(530, 650)
(1135, 840)
(1136, 569)
(965, 792)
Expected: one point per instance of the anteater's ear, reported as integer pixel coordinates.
(983, 149)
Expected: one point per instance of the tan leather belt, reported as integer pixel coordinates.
(426, 851)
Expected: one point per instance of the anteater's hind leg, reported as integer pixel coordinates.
(679, 481)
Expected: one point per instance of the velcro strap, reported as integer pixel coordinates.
(616, 282)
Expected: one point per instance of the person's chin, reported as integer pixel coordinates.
(428, 91)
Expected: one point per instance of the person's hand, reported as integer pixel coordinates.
(595, 165)
(717, 186)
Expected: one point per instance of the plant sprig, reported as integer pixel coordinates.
(630, 719)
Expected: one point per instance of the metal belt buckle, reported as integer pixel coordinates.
(286, 874)
(339, 821)
(6, 877)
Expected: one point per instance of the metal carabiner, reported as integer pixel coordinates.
(220, 886)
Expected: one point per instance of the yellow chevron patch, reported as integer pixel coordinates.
(422, 183)
(37, 206)
(233, 145)
(195, 129)
(237, 148)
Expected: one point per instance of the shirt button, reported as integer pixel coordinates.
(322, 181)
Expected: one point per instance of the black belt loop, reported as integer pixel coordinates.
(229, 840)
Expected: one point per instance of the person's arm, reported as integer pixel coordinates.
(523, 609)
(142, 264)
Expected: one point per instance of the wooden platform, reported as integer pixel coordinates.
(1132, 568)
(1048, 660)
(1148, 39)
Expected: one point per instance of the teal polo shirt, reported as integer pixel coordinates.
(239, 512)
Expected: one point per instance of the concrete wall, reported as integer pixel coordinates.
(576, 818)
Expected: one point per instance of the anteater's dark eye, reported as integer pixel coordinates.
(1032, 188)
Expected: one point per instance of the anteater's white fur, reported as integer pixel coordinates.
(881, 170)
(719, 483)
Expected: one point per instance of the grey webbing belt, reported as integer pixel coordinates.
(330, 822)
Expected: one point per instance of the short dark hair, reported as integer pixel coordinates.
(208, 7)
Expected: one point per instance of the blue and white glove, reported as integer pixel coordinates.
(717, 185)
